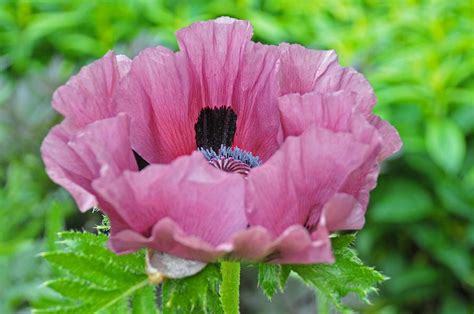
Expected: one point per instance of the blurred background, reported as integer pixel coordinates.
(418, 55)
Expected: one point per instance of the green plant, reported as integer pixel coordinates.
(418, 55)
(93, 279)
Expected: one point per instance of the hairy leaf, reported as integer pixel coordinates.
(284, 274)
(96, 280)
(348, 274)
(269, 278)
(144, 301)
(272, 277)
(195, 294)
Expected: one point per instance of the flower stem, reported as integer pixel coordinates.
(230, 287)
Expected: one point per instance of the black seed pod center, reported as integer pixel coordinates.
(215, 127)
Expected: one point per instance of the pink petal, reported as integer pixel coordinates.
(301, 68)
(294, 245)
(335, 111)
(305, 70)
(66, 168)
(156, 94)
(205, 202)
(124, 65)
(87, 96)
(391, 141)
(343, 212)
(166, 236)
(214, 50)
(297, 248)
(217, 66)
(75, 160)
(301, 177)
(362, 181)
(255, 101)
(227, 69)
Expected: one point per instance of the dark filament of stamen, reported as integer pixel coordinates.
(231, 165)
(215, 127)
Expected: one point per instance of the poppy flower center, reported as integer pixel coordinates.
(231, 159)
(215, 130)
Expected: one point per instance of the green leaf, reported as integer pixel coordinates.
(456, 198)
(195, 294)
(464, 117)
(269, 278)
(90, 268)
(76, 288)
(54, 224)
(95, 280)
(413, 279)
(348, 274)
(272, 277)
(400, 201)
(88, 244)
(144, 301)
(446, 144)
(442, 248)
(284, 275)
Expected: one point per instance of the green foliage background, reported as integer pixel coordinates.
(419, 56)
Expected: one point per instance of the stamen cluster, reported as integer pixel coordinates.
(231, 159)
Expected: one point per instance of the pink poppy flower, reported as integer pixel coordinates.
(225, 149)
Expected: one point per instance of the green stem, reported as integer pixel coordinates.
(323, 304)
(230, 287)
